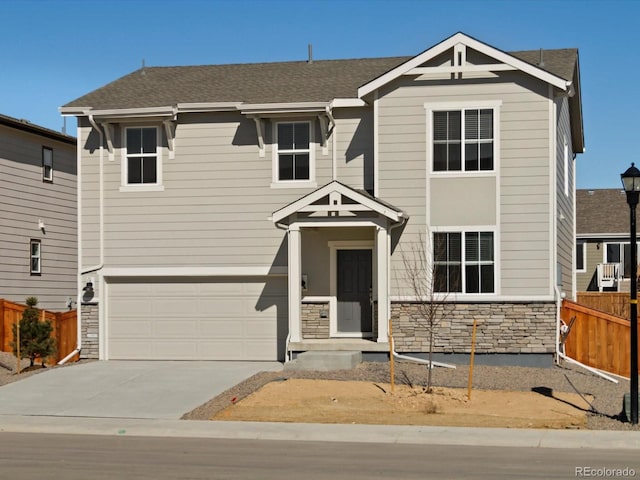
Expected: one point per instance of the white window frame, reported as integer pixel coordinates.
(37, 255)
(47, 163)
(311, 181)
(494, 105)
(584, 256)
(137, 187)
(496, 261)
(621, 246)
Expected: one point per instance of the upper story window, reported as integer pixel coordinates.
(142, 158)
(47, 164)
(293, 152)
(35, 257)
(464, 262)
(463, 140)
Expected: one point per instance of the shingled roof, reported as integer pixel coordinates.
(602, 211)
(27, 126)
(280, 82)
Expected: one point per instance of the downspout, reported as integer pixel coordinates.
(94, 268)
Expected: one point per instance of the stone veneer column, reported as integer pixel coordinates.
(89, 330)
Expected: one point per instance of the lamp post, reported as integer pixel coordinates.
(631, 182)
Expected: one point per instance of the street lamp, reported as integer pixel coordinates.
(631, 182)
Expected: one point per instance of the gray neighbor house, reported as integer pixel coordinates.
(38, 215)
(256, 211)
(603, 247)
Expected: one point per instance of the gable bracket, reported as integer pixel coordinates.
(490, 67)
(260, 133)
(169, 128)
(324, 132)
(108, 134)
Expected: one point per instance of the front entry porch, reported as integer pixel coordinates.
(338, 269)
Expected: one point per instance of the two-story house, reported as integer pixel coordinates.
(38, 233)
(248, 211)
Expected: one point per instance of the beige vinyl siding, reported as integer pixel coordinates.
(354, 147)
(216, 204)
(522, 178)
(450, 201)
(24, 200)
(564, 201)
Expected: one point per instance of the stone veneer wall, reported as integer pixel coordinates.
(89, 327)
(501, 328)
(313, 325)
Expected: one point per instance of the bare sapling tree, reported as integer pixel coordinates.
(429, 279)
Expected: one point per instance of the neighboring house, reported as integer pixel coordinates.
(603, 248)
(38, 215)
(242, 211)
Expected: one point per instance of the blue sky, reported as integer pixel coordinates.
(57, 50)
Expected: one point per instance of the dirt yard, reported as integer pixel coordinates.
(331, 401)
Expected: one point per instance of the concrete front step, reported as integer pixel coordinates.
(325, 360)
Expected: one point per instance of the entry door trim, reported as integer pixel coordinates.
(333, 282)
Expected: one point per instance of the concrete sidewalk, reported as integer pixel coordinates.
(125, 389)
(497, 437)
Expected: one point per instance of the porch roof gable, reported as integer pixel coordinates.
(357, 200)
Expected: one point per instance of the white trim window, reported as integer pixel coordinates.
(47, 164)
(618, 252)
(142, 164)
(463, 140)
(35, 257)
(294, 160)
(464, 262)
(581, 257)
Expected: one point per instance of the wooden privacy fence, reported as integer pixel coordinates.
(64, 328)
(597, 339)
(615, 303)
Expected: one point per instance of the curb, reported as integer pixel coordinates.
(417, 435)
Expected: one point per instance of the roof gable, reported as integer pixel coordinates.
(460, 38)
(338, 197)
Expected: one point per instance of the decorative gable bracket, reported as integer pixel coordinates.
(335, 200)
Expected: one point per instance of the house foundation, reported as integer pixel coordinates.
(503, 328)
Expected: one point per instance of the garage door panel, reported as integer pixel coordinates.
(176, 329)
(208, 320)
(131, 328)
(174, 306)
(131, 306)
(225, 306)
(131, 349)
(221, 328)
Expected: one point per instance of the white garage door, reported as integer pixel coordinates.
(224, 319)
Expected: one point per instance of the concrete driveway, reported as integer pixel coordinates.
(125, 389)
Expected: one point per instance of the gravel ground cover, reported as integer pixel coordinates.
(606, 403)
(607, 396)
